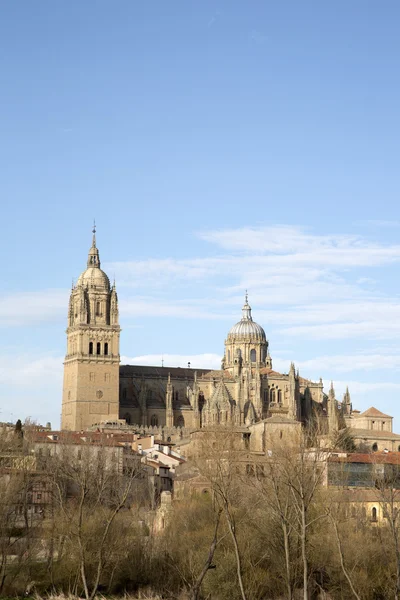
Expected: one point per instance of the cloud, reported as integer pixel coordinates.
(374, 329)
(292, 245)
(380, 223)
(300, 283)
(23, 371)
(352, 362)
(304, 284)
(24, 308)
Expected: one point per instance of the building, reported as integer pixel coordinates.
(171, 402)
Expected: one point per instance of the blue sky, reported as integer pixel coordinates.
(220, 146)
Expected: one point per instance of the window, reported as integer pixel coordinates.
(92, 376)
(154, 421)
(252, 355)
(98, 348)
(229, 356)
(106, 348)
(180, 422)
(90, 347)
(107, 377)
(38, 496)
(176, 396)
(98, 309)
(374, 516)
(272, 396)
(280, 396)
(374, 447)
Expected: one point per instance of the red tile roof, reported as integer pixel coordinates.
(392, 458)
(374, 412)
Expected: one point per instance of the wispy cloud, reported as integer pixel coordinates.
(24, 371)
(24, 308)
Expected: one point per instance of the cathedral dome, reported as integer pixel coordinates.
(94, 277)
(247, 327)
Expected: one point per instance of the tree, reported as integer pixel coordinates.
(388, 486)
(296, 473)
(90, 493)
(220, 459)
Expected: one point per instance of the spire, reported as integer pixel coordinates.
(93, 257)
(246, 310)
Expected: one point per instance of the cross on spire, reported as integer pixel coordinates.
(94, 233)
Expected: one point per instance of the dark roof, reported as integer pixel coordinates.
(147, 371)
(376, 458)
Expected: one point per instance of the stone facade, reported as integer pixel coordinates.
(246, 390)
(91, 367)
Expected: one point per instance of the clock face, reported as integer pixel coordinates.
(99, 394)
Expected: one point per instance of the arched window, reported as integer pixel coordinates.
(180, 422)
(98, 348)
(106, 348)
(272, 396)
(154, 421)
(98, 309)
(176, 396)
(90, 347)
(374, 516)
(279, 396)
(374, 447)
(252, 355)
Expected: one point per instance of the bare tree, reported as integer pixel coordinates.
(220, 460)
(298, 470)
(387, 482)
(90, 493)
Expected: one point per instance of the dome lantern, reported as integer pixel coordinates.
(249, 338)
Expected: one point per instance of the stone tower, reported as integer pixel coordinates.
(91, 367)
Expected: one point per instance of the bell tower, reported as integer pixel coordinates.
(91, 366)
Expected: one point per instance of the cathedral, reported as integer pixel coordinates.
(244, 392)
